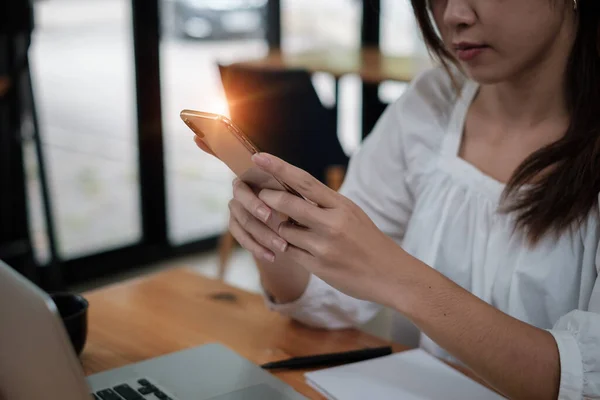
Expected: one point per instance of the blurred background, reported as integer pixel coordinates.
(111, 181)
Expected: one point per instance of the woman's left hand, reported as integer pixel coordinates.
(336, 241)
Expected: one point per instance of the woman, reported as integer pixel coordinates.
(472, 208)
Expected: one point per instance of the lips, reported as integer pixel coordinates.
(469, 51)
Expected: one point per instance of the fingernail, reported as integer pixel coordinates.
(280, 244)
(263, 213)
(261, 160)
(235, 182)
(269, 257)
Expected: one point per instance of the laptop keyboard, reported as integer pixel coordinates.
(146, 391)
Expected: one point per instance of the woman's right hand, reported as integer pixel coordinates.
(249, 219)
(254, 225)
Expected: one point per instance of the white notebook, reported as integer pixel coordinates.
(411, 375)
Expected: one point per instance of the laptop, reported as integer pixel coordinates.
(37, 361)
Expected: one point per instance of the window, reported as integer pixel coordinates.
(197, 35)
(82, 67)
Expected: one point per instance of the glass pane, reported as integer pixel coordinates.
(197, 36)
(399, 31)
(309, 24)
(400, 36)
(82, 62)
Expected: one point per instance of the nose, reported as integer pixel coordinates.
(459, 14)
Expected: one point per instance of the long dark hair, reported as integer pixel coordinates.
(563, 178)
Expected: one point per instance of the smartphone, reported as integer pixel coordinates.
(232, 147)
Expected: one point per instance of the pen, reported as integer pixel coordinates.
(329, 359)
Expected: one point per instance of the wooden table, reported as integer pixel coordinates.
(369, 63)
(177, 309)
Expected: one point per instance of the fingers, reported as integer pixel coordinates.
(257, 230)
(297, 179)
(262, 242)
(299, 237)
(298, 209)
(302, 257)
(203, 146)
(248, 243)
(246, 197)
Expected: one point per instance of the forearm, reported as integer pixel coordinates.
(519, 360)
(285, 283)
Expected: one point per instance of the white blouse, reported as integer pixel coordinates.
(409, 179)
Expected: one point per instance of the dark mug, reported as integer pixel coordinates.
(73, 310)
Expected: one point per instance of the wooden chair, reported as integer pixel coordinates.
(282, 114)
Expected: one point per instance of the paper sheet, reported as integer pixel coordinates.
(410, 375)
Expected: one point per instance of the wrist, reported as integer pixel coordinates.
(429, 293)
(407, 289)
(283, 283)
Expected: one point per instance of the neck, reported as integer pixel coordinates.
(530, 100)
(532, 97)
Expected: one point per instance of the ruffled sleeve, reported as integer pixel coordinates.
(577, 336)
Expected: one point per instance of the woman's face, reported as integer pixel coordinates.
(495, 40)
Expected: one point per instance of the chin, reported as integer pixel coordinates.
(486, 75)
